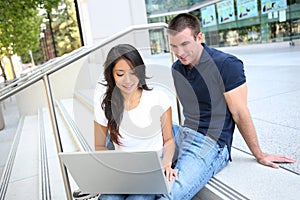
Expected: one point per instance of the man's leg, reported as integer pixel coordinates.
(199, 159)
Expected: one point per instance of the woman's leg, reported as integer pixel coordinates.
(127, 197)
(109, 143)
(141, 197)
(112, 197)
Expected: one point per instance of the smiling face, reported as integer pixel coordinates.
(125, 77)
(186, 46)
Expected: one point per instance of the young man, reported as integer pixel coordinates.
(211, 86)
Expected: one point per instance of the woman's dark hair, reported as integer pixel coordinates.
(113, 101)
(183, 21)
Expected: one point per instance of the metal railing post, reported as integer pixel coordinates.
(56, 134)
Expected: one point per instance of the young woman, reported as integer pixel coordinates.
(135, 116)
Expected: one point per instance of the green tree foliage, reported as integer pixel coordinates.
(65, 27)
(19, 26)
(14, 24)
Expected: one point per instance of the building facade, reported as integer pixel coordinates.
(233, 22)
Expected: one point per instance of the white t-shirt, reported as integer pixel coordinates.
(140, 128)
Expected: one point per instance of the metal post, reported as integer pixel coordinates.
(291, 24)
(43, 48)
(46, 45)
(43, 36)
(52, 34)
(56, 135)
(79, 23)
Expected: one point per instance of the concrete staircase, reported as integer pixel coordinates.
(33, 171)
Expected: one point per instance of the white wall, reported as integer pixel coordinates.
(102, 18)
(62, 85)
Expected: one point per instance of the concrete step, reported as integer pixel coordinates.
(79, 120)
(51, 181)
(71, 140)
(256, 181)
(244, 178)
(32, 170)
(23, 179)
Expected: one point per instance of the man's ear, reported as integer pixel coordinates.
(199, 37)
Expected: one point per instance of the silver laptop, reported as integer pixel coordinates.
(117, 172)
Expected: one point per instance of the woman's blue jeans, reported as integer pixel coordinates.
(127, 197)
(199, 158)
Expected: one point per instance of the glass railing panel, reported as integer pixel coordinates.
(65, 86)
(19, 122)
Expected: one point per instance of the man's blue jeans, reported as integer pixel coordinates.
(199, 158)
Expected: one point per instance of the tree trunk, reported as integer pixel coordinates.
(3, 72)
(12, 67)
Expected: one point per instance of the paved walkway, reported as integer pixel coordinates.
(273, 72)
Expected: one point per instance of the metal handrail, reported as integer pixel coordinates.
(13, 88)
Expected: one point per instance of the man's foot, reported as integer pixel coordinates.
(80, 195)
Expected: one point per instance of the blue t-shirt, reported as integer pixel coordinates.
(201, 92)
